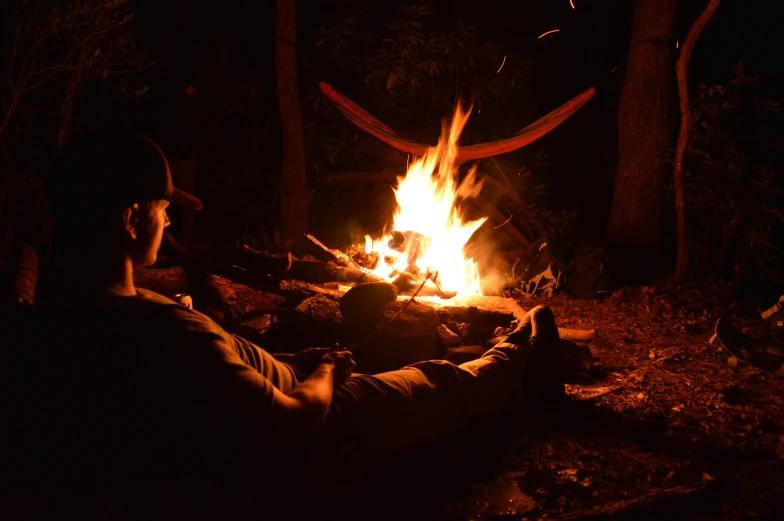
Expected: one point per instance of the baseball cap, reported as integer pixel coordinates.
(114, 167)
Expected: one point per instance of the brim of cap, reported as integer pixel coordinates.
(185, 199)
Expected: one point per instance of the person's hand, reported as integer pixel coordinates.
(307, 360)
(343, 362)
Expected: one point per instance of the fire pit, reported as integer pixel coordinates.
(427, 243)
(423, 257)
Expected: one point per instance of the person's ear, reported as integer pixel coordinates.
(130, 217)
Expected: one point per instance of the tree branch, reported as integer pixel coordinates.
(109, 6)
(99, 19)
(120, 71)
(687, 120)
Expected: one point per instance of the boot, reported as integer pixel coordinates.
(765, 353)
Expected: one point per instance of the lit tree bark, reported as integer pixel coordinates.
(687, 120)
(634, 230)
(293, 183)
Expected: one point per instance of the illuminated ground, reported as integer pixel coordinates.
(675, 434)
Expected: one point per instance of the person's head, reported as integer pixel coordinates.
(108, 195)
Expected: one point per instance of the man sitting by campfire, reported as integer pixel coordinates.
(140, 389)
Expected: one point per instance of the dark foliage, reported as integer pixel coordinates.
(735, 204)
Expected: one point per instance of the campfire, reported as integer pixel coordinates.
(426, 246)
(412, 294)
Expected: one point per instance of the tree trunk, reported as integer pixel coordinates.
(634, 231)
(293, 183)
(66, 108)
(687, 120)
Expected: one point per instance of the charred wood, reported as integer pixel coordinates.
(661, 500)
(246, 257)
(328, 254)
(166, 281)
(252, 279)
(320, 272)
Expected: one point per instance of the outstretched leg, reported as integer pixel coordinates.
(374, 416)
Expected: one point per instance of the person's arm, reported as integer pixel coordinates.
(305, 361)
(297, 416)
(255, 407)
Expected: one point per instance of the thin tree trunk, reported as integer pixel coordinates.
(687, 120)
(66, 108)
(293, 182)
(635, 229)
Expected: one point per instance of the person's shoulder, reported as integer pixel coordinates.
(166, 307)
(151, 296)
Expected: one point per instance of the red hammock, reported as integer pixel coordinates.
(529, 134)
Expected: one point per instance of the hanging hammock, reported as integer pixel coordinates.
(526, 136)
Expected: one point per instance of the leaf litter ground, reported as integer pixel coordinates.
(669, 430)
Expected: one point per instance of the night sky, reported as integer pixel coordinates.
(232, 41)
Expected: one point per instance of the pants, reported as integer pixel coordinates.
(374, 416)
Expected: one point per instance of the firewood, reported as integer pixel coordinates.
(576, 335)
(253, 260)
(306, 289)
(320, 272)
(167, 281)
(635, 508)
(254, 280)
(230, 294)
(329, 254)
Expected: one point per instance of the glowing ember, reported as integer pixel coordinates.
(502, 65)
(550, 32)
(430, 232)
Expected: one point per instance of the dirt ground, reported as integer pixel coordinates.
(669, 430)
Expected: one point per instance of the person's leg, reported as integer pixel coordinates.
(375, 416)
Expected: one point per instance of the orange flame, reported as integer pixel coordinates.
(428, 198)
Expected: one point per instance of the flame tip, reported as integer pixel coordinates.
(428, 197)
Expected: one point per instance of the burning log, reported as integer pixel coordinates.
(415, 285)
(329, 254)
(289, 267)
(480, 202)
(319, 272)
(411, 280)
